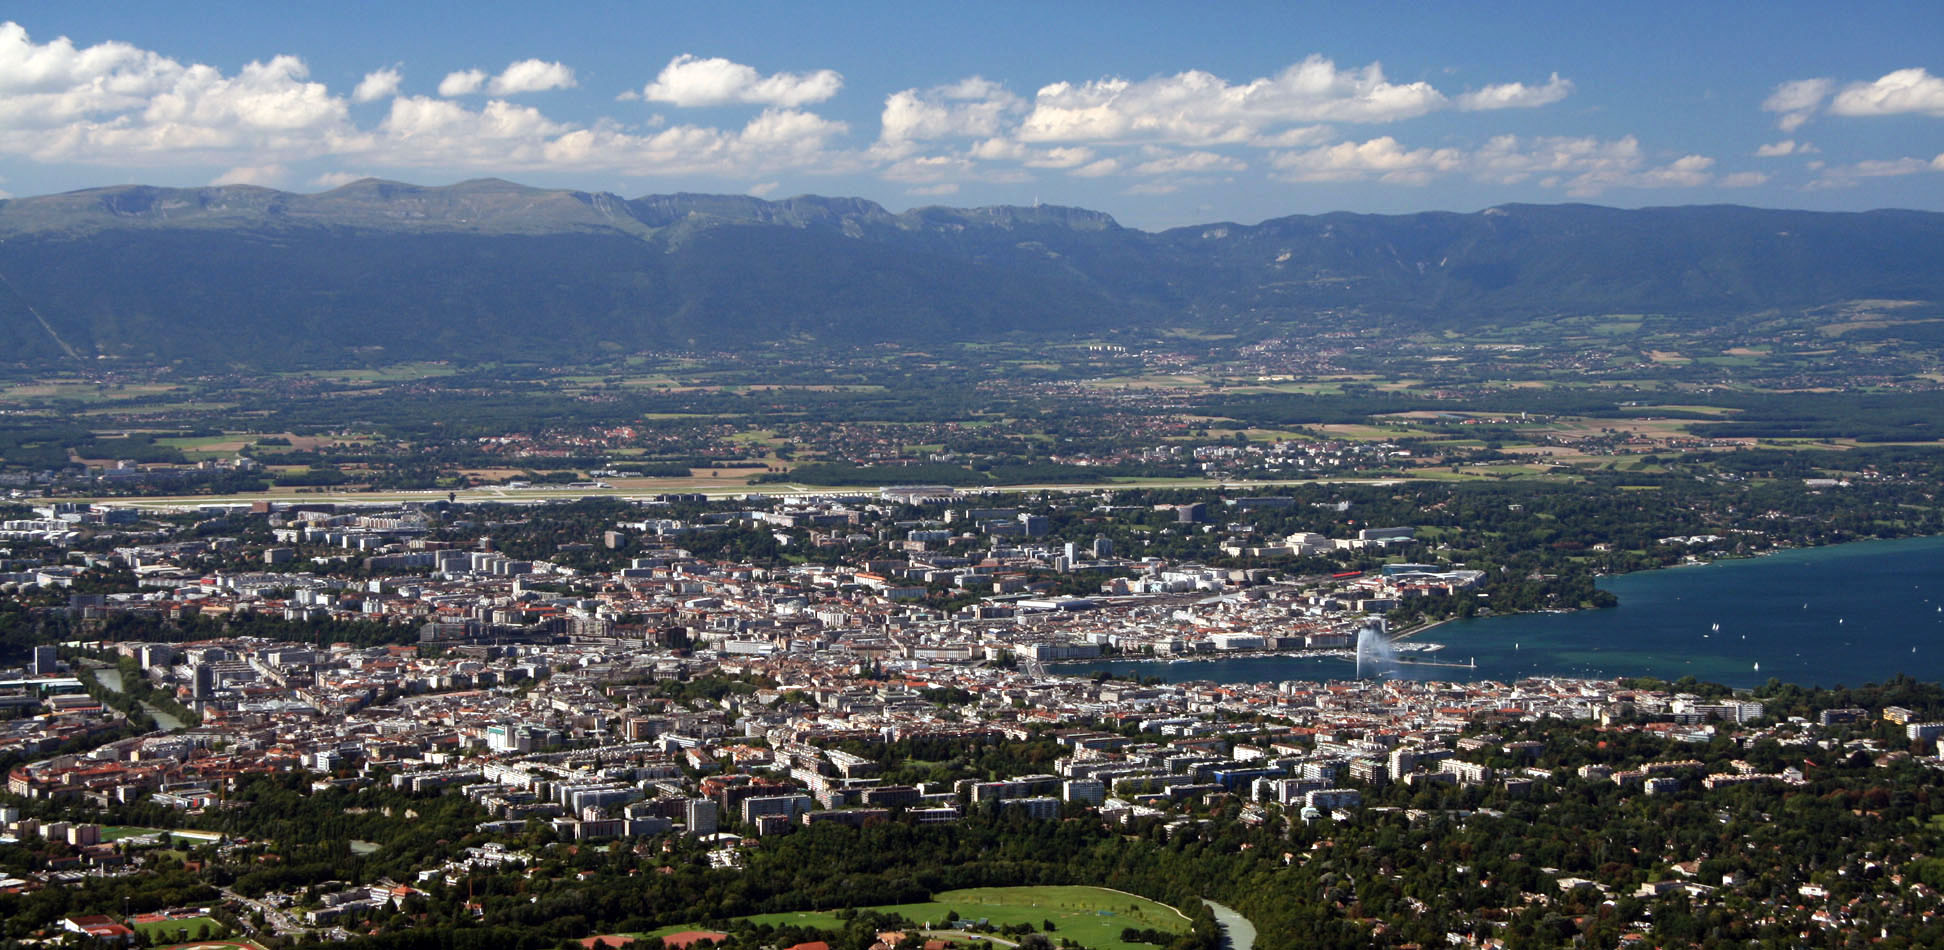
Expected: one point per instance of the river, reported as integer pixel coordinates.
(111, 678)
(1838, 615)
(1238, 932)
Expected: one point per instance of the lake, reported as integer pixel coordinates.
(1838, 615)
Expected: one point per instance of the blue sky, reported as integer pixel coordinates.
(1159, 114)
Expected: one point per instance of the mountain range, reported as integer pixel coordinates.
(378, 271)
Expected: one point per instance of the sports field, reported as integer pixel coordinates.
(199, 928)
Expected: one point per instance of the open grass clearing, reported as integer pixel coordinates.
(394, 373)
(1438, 415)
(1471, 473)
(1718, 411)
(1276, 435)
(199, 448)
(1090, 916)
(197, 928)
(1300, 389)
(1657, 429)
(82, 391)
(1839, 329)
(1358, 432)
(1149, 381)
(212, 443)
(152, 411)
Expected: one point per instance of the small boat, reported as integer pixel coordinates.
(1758, 666)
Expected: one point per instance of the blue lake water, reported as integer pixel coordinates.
(1839, 615)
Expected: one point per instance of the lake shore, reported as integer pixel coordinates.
(1840, 614)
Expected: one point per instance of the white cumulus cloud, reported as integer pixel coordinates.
(264, 175)
(1777, 149)
(1060, 158)
(1188, 163)
(938, 169)
(377, 84)
(1199, 108)
(1582, 167)
(1797, 100)
(1098, 169)
(1509, 159)
(55, 82)
(1847, 176)
(1296, 137)
(531, 75)
(1517, 95)
(1912, 91)
(1890, 168)
(1381, 158)
(116, 104)
(930, 168)
(1896, 93)
(465, 82)
(330, 180)
(112, 103)
(1585, 167)
(970, 108)
(690, 80)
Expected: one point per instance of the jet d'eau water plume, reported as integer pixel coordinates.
(1376, 655)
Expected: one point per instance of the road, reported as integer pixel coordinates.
(279, 922)
(1236, 928)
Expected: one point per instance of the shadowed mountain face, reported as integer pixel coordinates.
(379, 271)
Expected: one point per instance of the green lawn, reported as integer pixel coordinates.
(1090, 916)
(199, 928)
